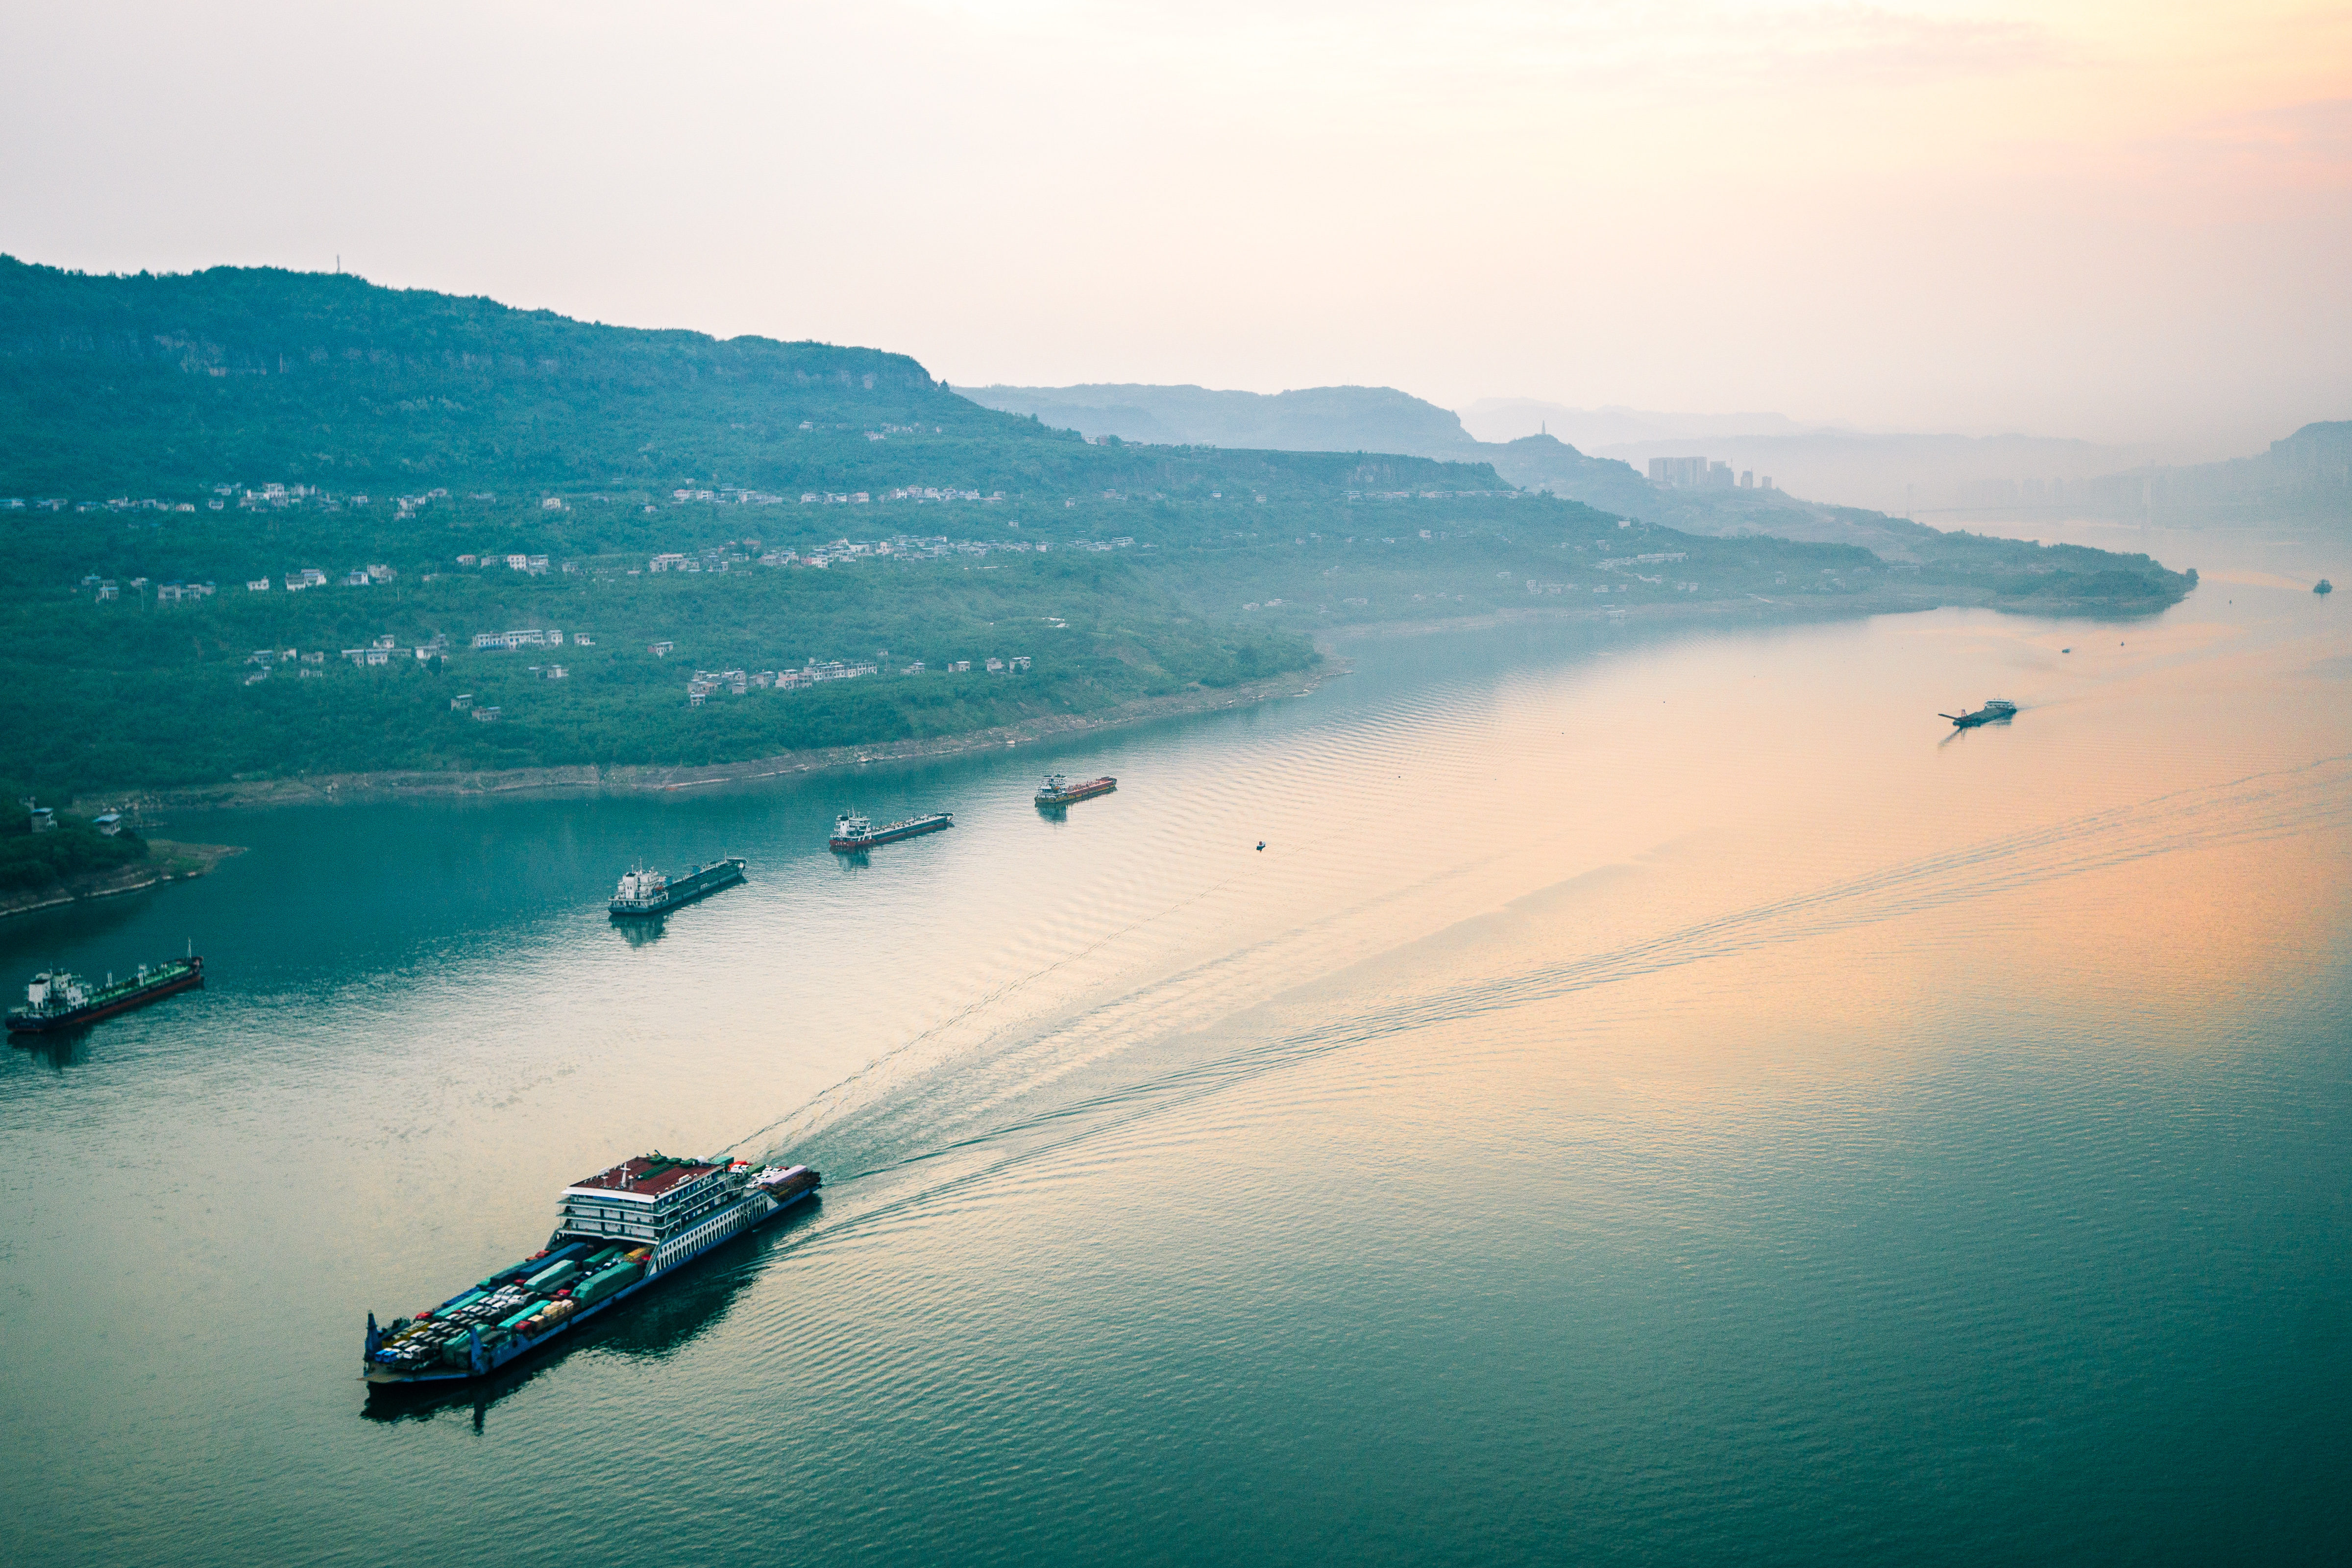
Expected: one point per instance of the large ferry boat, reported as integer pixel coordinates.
(644, 892)
(1997, 710)
(619, 1232)
(1058, 791)
(59, 1001)
(851, 833)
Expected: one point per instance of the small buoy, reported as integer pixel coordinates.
(1261, 844)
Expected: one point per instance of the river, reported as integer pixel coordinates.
(1658, 1094)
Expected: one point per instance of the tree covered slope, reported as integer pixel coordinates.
(137, 383)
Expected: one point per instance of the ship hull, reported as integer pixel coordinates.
(42, 1024)
(1077, 792)
(892, 834)
(381, 1380)
(704, 883)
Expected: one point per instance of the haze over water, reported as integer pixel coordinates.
(1657, 1095)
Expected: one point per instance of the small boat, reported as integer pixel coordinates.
(2322, 586)
(1997, 710)
(851, 833)
(1058, 791)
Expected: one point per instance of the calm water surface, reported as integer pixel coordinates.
(1658, 1095)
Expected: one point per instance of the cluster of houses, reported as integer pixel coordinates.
(901, 547)
(533, 565)
(384, 649)
(1431, 495)
(732, 496)
(307, 577)
(120, 504)
(464, 703)
(530, 638)
(245, 498)
(708, 683)
(262, 661)
(172, 593)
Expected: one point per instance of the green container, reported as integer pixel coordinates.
(532, 1310)
(617, 1276)
(551, 1279)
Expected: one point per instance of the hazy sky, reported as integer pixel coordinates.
(2120, 221)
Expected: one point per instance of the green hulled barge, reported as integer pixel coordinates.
(61, 1001)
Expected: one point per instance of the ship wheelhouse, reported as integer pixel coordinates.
(647, 1200)
(639, 886)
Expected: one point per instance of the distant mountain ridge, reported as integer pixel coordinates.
(172, 382)
(1323, 420)
(1315, 419)
(1501, 419)
(1601, 456)
(2305, 476)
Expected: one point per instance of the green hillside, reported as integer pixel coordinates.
(151, 384)
(263, 523)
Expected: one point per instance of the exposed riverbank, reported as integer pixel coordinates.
(331, 787)
(167, 862)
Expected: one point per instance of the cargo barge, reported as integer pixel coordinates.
(1997, 710)
(851, 833)
(644, 892)
(619, 1232)
(61, 1001)
(1057, 790)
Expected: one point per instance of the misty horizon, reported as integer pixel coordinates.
(1975, 219)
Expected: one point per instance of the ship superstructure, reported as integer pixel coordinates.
(618, 1232)
(1058, 791)
(644, 892)
(59, 1000)
(852, 831)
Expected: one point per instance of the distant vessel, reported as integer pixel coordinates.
(1995, 710)
(644, 892)
(852, 831)
(2322, 586)
(1057, 790)
(60, 1001)
(618, 1232)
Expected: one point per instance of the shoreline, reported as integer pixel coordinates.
(589, 778)
(167, 861)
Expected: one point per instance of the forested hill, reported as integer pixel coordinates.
(1313, 420)
(169, 383)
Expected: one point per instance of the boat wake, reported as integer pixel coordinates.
(956, 1123)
